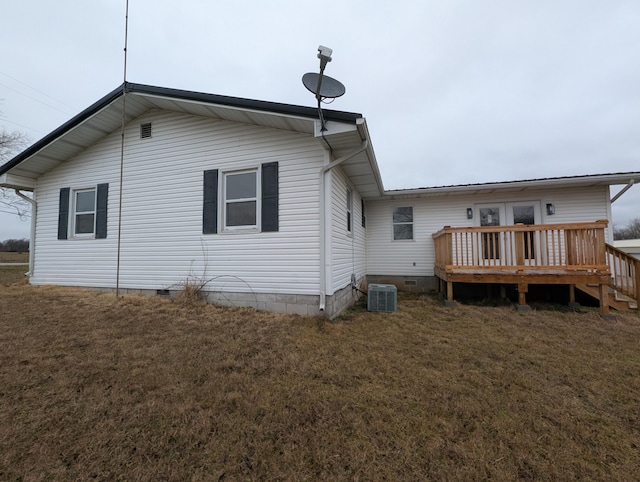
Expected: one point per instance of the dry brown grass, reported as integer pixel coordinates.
(148, 389)
(13, 274)
(9, 257)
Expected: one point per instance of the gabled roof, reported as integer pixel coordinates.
(105, 116)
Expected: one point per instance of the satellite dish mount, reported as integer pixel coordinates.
(323, 86)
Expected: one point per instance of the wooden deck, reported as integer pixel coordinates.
(573, 254)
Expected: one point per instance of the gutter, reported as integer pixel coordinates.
(325, 225)
(32, 236)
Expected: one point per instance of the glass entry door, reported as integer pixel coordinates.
(491, 215)
(527, 213)
(503, 214)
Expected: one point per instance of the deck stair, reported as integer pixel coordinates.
(617, 300)
(624, 286)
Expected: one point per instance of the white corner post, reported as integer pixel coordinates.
(32, 235)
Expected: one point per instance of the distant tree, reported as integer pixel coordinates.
(14, 245)
(10, 144)
(632, 231)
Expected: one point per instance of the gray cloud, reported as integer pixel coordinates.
(453, 92)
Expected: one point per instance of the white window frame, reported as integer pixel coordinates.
(224, 201)
(394, 224)
(75, 213)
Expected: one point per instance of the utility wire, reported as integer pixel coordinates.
(36, 100)
(39, 91)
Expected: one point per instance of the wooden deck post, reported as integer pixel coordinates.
(449, 301)
(572, 297)
(519, 247)
(523, 289)
(604, 300)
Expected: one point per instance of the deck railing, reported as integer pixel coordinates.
(575, 246)
(625, 272)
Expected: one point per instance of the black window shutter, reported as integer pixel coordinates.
(270, 197)
(362, 214)
(210, 204)
(101, 211)
(63, 213)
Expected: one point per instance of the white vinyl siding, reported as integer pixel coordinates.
(387, 257)
(348, 249)
(162, 240)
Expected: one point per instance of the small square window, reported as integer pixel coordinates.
(403, 223)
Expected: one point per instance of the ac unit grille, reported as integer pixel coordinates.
(382, 298)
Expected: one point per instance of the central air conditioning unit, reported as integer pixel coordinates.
(382, 298)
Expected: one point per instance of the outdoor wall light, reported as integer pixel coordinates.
(551, 209)
(469, 213)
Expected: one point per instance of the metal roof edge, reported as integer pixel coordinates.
(612, 178)
(363, 128)
(70, 124)
(243, 103)
(143, 89)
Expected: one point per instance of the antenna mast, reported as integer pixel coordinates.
(124, 103)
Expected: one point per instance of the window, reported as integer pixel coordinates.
(403, 223)
(349, 209)
(237, 200)
(84, 212)
(241, 199)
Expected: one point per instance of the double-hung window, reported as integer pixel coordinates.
(84, 212)
(241, 200)
(403, 223)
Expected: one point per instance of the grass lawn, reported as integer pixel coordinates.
(92, 387)
(10, 257)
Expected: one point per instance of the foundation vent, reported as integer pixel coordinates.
(382, 298)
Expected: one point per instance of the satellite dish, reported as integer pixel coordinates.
(329, 88)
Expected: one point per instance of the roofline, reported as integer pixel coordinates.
(259, 105)
(613, 178)
(131, 88)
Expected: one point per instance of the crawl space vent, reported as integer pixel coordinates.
(382, 298)
(145, 130)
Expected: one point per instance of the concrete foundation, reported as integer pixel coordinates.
(293, 304)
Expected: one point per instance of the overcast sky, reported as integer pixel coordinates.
(454, 92)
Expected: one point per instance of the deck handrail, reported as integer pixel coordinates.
(523, 247)
(625, 272)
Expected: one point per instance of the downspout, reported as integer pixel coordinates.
(32, 236)
(324, 228)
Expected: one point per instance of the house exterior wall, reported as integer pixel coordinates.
(396, 261)
(162, 244)
(348, 249)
